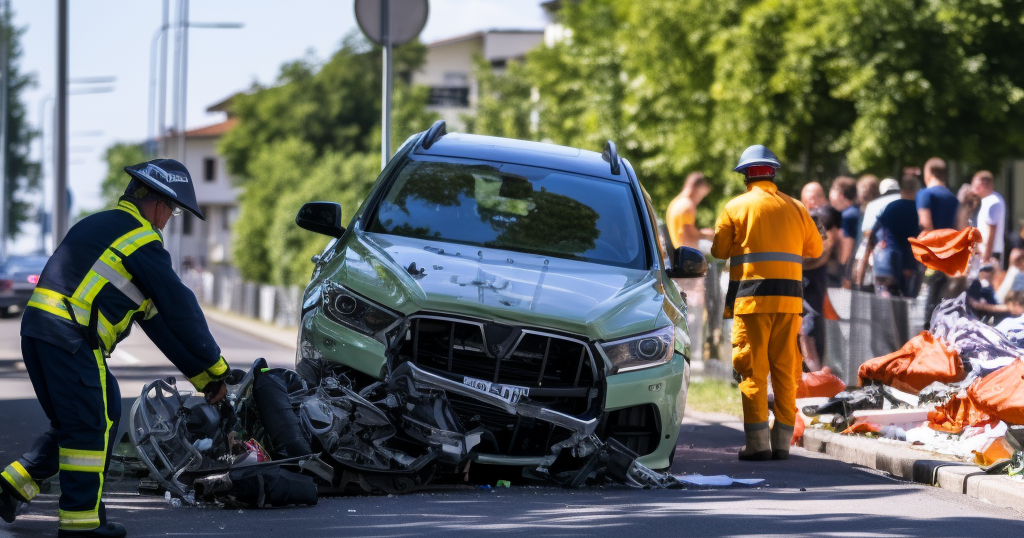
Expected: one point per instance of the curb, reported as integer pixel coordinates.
(914, 466)
(257, 329)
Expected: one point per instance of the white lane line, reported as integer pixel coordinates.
(125, 357)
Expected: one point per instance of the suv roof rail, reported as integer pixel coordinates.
(433, 134)
(611, 154)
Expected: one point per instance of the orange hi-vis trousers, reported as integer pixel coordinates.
(762, 344)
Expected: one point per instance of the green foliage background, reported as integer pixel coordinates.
(314, 135)
(832, 86)
(22, 171)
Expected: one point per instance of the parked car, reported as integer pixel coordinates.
(18, 277)
(522, 270)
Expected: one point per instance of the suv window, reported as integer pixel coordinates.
(514, 207)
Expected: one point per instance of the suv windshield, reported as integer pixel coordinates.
(514, 207)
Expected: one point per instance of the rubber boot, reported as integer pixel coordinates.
(9, 502)
(782, 436)
(759, 446)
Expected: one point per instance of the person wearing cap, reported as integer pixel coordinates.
(896, 270)
(765, 235)
(110, 271)
(889, 190)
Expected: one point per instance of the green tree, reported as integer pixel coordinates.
(22, 171)
(832, 86)
(314, 135)
(118, 156)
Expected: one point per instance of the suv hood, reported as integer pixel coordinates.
(601, 302)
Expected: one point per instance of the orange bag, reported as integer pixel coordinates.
(1001, 393)
(957, 414)
(922, 361)
(946, 250)
(862, 426)
(820, 384)
(798, 429)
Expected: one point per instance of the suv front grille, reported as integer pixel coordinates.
(560, 372)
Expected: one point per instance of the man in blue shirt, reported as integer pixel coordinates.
(843, 197)
(896, 270)
(936, 210)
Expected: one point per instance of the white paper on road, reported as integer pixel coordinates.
(717, 480)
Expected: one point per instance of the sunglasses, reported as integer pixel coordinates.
(175, 210)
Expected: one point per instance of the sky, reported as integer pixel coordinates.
(112, 38)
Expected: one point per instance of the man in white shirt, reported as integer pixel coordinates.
(991, 216)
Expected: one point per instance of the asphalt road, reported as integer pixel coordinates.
(808, 495)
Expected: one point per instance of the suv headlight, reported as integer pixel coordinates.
(359, 314)
(641, 351)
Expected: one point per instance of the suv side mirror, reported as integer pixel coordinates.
(321, 217)
(688, 263)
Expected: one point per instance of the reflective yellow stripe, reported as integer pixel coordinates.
(86, 461)
(53, 302)
(218, 371)
(18, 477)
(132, 241)
(89, 288)
(79, 520)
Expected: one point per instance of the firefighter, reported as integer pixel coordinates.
(109, 271)
(765, 235)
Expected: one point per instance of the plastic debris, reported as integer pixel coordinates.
(716, 480)
(503, 484)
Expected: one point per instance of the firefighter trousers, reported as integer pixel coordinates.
(763, 344)
(82, 401)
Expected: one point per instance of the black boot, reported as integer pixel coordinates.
(9, 503)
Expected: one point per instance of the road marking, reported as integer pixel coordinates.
(125, 357)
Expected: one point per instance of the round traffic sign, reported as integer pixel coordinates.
(407, 19)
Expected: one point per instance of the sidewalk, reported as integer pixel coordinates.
(918, 466)
(282, 336)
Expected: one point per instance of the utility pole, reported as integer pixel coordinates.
(385, 119)
(4, 123)
(60, 138)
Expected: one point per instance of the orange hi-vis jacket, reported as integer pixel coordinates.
(765, 235)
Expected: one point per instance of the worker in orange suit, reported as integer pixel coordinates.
(765, 235)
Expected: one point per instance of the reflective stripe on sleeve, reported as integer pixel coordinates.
(754, 257)
(86, 461)
(18, 477)
(218, 371)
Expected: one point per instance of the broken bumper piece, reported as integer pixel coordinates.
(390, 436)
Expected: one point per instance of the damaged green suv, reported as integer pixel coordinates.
(526, 279)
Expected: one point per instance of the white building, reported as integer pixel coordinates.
(207, 244)
(448, 69)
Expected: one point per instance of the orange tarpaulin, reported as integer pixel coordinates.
(921, 362)
(957, 414)
(946, 250)
(820, 384)
(1001, 393)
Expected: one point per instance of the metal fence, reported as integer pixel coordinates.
(869, 326)
(227, 291)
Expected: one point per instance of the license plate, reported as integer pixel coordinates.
(510, 393)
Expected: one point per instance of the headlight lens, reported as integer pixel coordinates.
(642, 351)
(358, 314)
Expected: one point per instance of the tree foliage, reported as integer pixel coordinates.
(314, 135)
(832, 86)
(22, 171)
(118, 156)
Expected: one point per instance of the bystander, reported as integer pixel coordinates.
(936, 210)
(991, 218)
(896, 270)
(681, 217)
(889, 191)
(843, 197)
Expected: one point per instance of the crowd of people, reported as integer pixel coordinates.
(868, 224)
